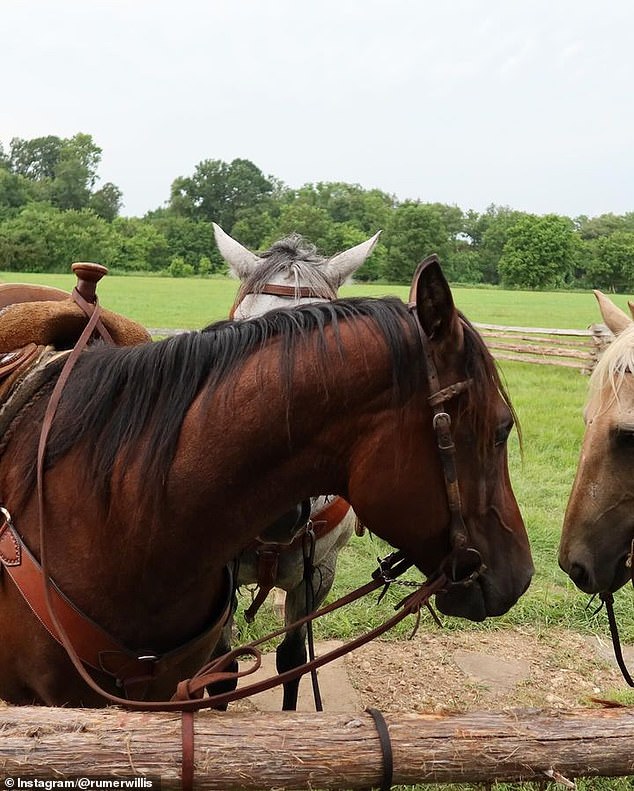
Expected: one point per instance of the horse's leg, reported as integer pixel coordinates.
(291, 652)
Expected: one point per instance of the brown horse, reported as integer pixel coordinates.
(156, 448)
(598, 528)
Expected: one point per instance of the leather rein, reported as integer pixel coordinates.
(607, 599)
(459, 568)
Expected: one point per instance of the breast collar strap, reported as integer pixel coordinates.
(132, 670)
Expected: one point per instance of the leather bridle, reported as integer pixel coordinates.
(464, 562)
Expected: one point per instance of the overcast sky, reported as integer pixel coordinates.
(529, 104)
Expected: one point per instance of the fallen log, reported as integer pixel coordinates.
(259, 751)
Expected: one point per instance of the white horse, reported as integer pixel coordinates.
(291, 273)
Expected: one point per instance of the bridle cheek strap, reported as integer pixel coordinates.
(447, 451)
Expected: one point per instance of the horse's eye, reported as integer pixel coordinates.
(623, 437)
(502, 433)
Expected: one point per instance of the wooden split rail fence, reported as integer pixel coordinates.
(568, 348)
(572, 348)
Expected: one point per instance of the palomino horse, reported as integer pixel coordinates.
(155, 449)
(288, 274)
(598, 530)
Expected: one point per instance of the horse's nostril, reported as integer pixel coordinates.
(579, 575)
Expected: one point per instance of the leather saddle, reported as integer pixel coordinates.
(49, 316)
(37, 321)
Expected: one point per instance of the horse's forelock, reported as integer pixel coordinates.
(615, 362)
(294, 248)
(295, 257)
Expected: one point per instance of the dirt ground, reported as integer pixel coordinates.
(469, 670)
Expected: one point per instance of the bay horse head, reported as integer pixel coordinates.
(155, 449)
(598, 528)
(467, 500)
(291, 269)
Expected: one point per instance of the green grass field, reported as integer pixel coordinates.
(191, 303)
(548, 400)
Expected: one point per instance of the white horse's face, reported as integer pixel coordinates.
(291, 266)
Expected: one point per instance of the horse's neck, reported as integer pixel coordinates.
(270, 450)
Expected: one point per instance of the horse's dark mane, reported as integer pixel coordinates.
(117, 396)
(129, 403)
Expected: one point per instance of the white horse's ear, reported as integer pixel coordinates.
(616, 319)
(339, 268)
(241, 261)
(631, 307)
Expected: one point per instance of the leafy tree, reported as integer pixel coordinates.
(308, 220)
(489, 232)
(415, 231)
(188, 239)
(205, 266)
(42, 238)
(368, 210)
(464, 266)
(75, 172)
(64, 169)
(452, 218)
(218, 191)
(26, 240)
(252, 227)
(140, 245)
(540, 252)
(612, 265)
(15, 192)
(37, 158)
(178, 267)
(106, 201)
(604, 225)
(68, 189)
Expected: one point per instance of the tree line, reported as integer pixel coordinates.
(53, 212)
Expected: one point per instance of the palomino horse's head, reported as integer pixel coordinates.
(598, 528)
(472, 489)
(290, 269)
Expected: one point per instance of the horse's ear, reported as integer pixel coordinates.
(615, 318)
(341, 266)
(241, 261)
(435, 308)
